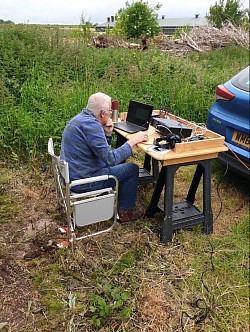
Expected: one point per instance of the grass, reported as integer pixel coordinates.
(47, 78)
(125, 280)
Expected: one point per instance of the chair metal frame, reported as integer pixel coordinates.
(86, 208)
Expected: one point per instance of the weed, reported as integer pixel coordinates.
(113, 300)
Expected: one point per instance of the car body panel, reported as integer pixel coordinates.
(230, 118)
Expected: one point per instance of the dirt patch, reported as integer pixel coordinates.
(154, 312)
(26, 235)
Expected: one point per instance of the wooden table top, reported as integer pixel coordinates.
(186, 151)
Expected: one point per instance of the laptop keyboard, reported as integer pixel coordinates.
(128, 126)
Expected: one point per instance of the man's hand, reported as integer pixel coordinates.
(141, 136)
(108, 127)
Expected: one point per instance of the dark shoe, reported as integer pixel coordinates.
(129, 215)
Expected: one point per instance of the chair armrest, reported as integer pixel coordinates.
(90, 180)
(74, 196)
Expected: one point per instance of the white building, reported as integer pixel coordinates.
(167, 25)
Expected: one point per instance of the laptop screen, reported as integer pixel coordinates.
(139, 113)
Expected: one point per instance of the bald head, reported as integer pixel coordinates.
(99, 102)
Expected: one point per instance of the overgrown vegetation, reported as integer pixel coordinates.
(125, 280)
(229, 11)
(47, 78)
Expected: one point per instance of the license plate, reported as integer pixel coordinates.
(241, 139)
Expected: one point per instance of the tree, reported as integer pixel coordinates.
(6, 22)
(137, 19)
(229, 11)
(86, 26)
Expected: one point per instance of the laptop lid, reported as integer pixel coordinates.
(139, 113)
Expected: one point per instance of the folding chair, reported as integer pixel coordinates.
(86, 208)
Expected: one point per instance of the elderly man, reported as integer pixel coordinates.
(86, 147)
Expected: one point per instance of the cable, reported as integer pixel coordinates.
(206, 309)
(198, 128)
(198, 318)
(219, 183)
(218, 193)
(237, 157)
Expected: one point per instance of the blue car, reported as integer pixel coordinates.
(229, 117)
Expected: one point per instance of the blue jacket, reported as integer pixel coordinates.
(86, 148)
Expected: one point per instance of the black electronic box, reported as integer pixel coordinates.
(169, 126)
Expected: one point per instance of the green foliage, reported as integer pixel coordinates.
(6, 22)
(86, 27)
(126, 261)
(47, 79)
(178, 31)
(137, 19)
(111, 301)
(8, 208)
(229, 11)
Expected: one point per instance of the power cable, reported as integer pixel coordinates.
(242, 162)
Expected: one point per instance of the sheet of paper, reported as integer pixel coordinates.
(157, 149)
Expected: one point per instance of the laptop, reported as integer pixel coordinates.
(138, 118)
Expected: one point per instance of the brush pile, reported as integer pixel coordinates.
(102, 41)
(207, 38)
(199, 39)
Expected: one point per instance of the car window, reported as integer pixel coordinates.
(241, 80)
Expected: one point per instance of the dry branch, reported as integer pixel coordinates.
(200, 39)
(102, 41)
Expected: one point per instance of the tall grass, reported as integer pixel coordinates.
(47, 78)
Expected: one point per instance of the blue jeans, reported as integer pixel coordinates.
(127, 175)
